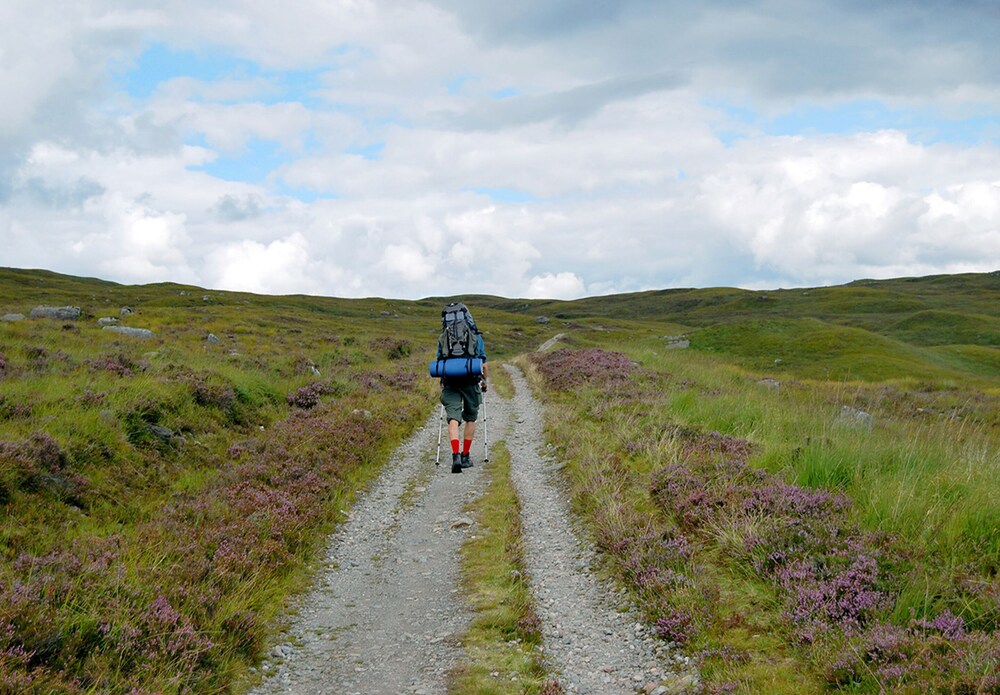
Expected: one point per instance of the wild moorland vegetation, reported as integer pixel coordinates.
(805, 498)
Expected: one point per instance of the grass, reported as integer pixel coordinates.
(161, 499)
(922, 491)
(502, 643)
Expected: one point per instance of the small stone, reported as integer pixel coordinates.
(462, 522)
(13, 317)
(213, 339)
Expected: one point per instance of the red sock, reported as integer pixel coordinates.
(466, 446)
(454, 446)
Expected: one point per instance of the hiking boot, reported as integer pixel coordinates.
(466, 461)
(456, 463)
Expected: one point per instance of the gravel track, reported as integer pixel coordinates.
(595, 644)
(386, 612)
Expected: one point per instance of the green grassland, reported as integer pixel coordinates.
(160, 499)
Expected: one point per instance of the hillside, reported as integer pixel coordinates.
(164, 496)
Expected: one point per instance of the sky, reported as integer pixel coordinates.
(543, 149)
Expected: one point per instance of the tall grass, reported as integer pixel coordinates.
(914, 488)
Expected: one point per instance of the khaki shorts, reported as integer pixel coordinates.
(461, 401)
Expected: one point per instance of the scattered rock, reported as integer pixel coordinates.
(771, 384)
(107, 321)
(313, 370)
(12, 317)
(163, 433)
(213, 339)
(62, 313)
(778, 361)
(366, 414)
(462, 522)
(678, 344)
(542, 319)
(134, 332)
(125, 311)
(857, 417)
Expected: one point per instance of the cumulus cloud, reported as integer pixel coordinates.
(555, 286)
(554, 149)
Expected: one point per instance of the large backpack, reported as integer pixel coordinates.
(459, 329)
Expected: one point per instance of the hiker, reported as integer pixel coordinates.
(463, 379)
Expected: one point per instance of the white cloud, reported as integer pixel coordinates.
(555, 286)
(280, 267)
(599, 169)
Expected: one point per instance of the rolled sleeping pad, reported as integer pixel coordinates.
(457, 367)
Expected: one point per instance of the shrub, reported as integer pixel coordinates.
(567, 369)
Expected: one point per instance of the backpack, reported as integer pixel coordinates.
(459, 329)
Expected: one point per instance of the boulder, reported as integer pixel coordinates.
(213, 339)
(12, 317)
(134, 332)
(107, 321)
(125, 311)
(853, 416)
(61, 313)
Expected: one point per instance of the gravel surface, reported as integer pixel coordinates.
(386, 613)
(595, 644)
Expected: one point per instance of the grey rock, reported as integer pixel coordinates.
(542, 319)
(678, 344)
(160, 432)
(125, 311)
(107, 321)
(462, 522)
(857, 417)
(213, 339)
(12, 317)
(771, 384)
(62, 313)
(133, 332)
(313, 370)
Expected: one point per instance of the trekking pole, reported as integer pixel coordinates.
(437, 459)
(486, 432)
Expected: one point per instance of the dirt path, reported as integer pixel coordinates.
(386, 613)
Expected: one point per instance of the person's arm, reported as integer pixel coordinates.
(481, 354)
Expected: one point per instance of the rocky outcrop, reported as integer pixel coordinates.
(134, 332)
(61, 313)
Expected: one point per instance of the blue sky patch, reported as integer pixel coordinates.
(372, 151)
(160, 63)
(922, 125)
(253, 165)
(505, 93)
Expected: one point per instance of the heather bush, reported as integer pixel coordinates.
(567, 369)
(722, 546)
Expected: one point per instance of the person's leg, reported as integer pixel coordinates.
(471, 396)
(452, 401)
(470, 430)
